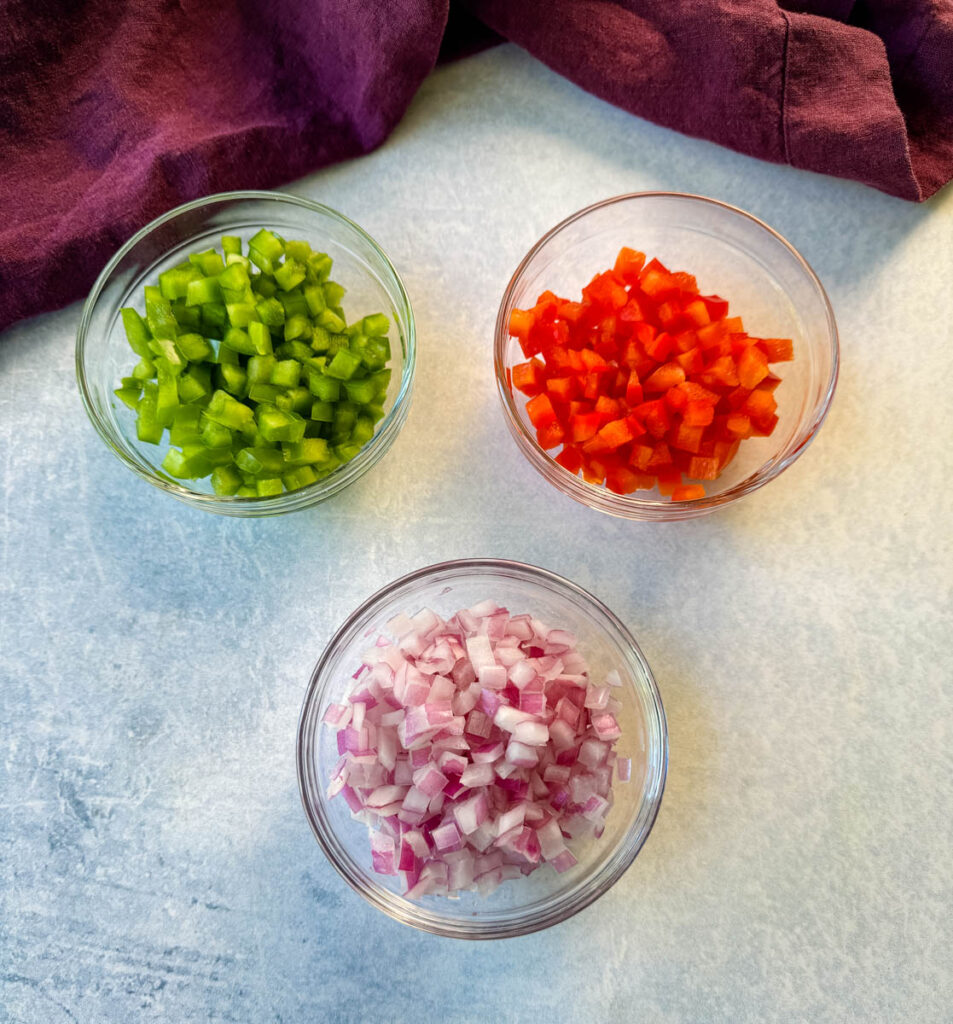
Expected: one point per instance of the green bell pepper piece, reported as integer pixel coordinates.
(260, 462)
(376, 325)
(137, 333)
(286, 373)
(343, 365)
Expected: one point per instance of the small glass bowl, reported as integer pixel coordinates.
(103, 355)
(732, 254)
(542, 898)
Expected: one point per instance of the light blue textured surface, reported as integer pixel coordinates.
(155, 864)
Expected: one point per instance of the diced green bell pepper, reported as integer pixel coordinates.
(137, 333)
(260, 462)
(286, 373)
(228, 411)
(276, 424)
(226, 480)
(343, 365)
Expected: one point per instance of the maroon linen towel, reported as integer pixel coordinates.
(113, 111)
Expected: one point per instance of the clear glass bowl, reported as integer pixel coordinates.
(542, 898)
(103, 356)
(732, 254)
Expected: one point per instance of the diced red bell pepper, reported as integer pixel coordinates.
(739, 424)
(632, 311)
(633, 390)
(752, 367)
(606, 290)
(643, 330)
(702, 468)
(629, 264)
(764, 428)
(717, 307)
(691, 361)
(609, 408)
(676, 400)
(685, 283)
(711, 335)
(668, 480)
(592, 361)
(520, 322)
(550, 436)
(563, 388)
(688, 492)
(529, 377)
(697, 312)
(736, 398)
(583, 426)
(661, 456)
(670, 375)
(760, 405)
(698, 413)
(654, 415)
(573, 312)
(669, 315)
(622, 480)
(685, 341)
(725, 451)
(540, 411)
(778, 350)
(570, 458)
(640, 455)
(656, 281)
(616, 433)
(687, 438)
(722, 371)
(660, 347)
(696, 393)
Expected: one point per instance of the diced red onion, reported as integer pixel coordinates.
(480, 653)
(532, 733)
(471, 813)
(446, 837)
(477, 775)
(564, 861)
(382, 854)
(483, 729)
(430, 780)
(521, 755)
(606, 727)
(487, 753)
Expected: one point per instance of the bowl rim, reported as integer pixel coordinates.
(288, 500)
(625, 505)
(395, 906)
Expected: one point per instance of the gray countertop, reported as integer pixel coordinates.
(155, 863)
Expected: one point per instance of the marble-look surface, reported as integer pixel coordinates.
(155, 864)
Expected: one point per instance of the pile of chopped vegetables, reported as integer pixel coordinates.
(249, 363)
(644, 381)
(475, 749)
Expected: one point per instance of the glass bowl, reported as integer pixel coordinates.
(542, 898)
(103, 355)
(732, 254)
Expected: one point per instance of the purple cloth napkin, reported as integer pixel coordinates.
(113, 111)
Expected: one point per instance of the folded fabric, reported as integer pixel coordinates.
(112, 113)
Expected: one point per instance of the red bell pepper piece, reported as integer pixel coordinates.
(529, 377)
(688, 492)
(668, 376)
(582, 426)
(540, 411)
